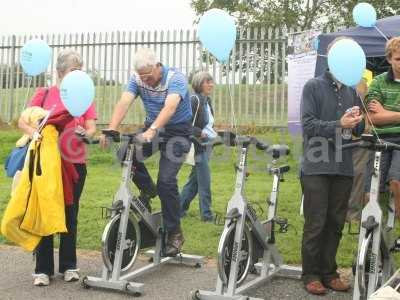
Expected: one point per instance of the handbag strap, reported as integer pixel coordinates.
(197, 110)
(46, 92)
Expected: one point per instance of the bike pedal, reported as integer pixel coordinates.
(106, 212)
(283, 224)
(219, 219)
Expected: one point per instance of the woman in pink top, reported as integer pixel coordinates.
(73, 153)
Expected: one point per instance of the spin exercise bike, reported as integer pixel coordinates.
(374, 264)
(245, 239)
(131, 227)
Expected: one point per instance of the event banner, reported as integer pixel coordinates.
(301, 67)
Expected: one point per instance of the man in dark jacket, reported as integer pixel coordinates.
(329, 110)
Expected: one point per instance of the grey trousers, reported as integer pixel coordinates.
(325, 205)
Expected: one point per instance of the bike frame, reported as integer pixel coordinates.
(112, 277)
(272, 261)
(371, 231)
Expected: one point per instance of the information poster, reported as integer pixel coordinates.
(301, 68)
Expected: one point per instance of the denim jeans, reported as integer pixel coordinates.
(199, 182)
(171, 159)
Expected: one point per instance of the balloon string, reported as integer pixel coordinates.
(27, 91)
(386, 38)
(369, 119)
(233, 117)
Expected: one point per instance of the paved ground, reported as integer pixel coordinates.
(170, 282)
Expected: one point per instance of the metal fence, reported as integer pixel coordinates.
(251, 86)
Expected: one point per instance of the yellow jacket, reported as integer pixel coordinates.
(36, 208)
(32, 116)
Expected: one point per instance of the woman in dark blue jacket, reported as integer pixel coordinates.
(203, 120)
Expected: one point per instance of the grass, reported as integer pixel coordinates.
(258, 104)
(103, 180)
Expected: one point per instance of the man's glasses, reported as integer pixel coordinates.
(145, 76)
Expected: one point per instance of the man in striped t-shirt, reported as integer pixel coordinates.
(383, 100)
(165, 98)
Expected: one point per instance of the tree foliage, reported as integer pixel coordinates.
(303, 14)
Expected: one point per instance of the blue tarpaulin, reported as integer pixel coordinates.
(372, 42)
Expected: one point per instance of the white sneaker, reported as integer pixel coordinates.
(71, 275)
(41, 279)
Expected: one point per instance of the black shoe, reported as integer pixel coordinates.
(174, 243)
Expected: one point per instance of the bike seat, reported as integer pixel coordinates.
(232, 214)
(279, 170)
(284, 169)
(244, 141)
(129, 135)
(370, 223)
(228, 138)
(277, 151)
(209, 143)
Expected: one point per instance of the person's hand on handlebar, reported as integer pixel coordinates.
(148, 135)
(351, 118)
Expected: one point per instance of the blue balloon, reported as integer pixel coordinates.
(35, 57)
(347, 62)
(364, 14)
(217, 33)
(77, 92)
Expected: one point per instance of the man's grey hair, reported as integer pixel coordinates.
(144, 57)
(198, 80)
(67, 58)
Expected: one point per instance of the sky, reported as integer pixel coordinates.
(59, 16)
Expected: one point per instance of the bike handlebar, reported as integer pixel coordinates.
(114, 135)
(86, 139)
(230, 139)
(370, 142)
(224, 137)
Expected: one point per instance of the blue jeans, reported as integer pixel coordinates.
(167, 183)
(199, 182)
